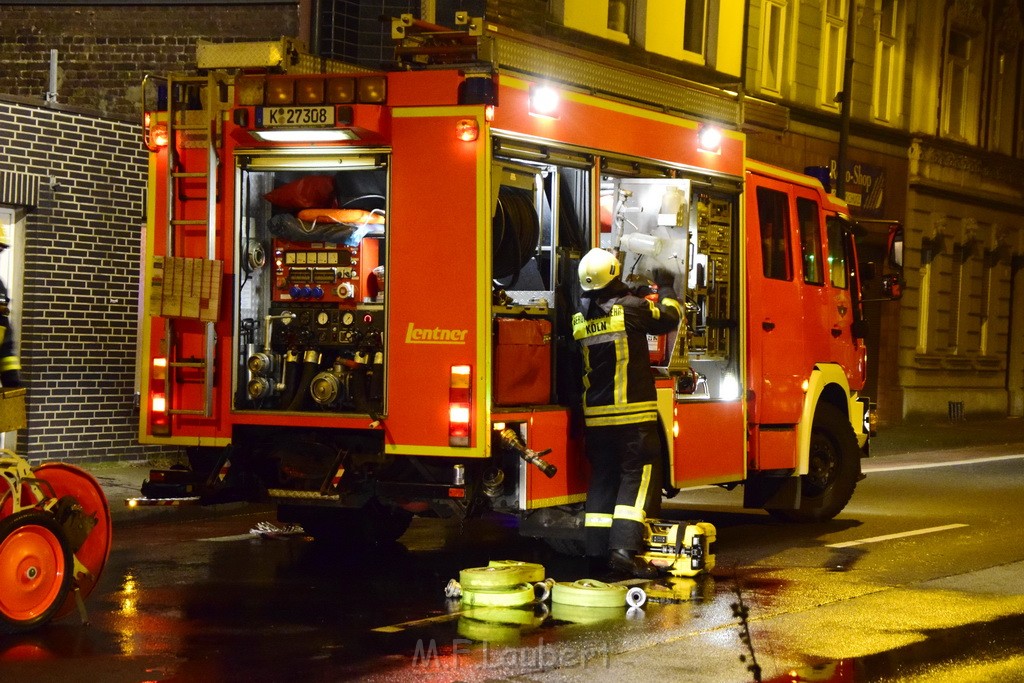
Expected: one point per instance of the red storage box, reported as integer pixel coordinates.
(522, 361)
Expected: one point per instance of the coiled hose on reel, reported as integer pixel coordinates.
(516, 229)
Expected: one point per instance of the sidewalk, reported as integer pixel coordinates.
(941, 435)
(121, 481)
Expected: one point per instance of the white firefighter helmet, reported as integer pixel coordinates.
(5, 235)
(598, 267)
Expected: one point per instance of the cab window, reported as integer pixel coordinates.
(773, 212)
(836, 253)
(810, 240)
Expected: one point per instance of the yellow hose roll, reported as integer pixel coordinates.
(509, 597)
(532, 571)
(495, 578)
(589, 593)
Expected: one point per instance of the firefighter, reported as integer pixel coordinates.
(620, 408)
(10, 366)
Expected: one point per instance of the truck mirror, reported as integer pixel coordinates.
(892, 287)
(896, 246)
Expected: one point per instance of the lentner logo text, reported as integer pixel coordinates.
(435, 335)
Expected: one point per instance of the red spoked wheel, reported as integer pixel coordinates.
(68, 480)
(35, 570)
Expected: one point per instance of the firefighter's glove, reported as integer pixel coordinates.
(666, 283)
(10, 378)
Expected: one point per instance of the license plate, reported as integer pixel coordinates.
(290, 117)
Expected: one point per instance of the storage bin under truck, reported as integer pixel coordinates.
(359, 285)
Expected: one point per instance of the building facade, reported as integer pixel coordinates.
(962, 325)
(933, 139)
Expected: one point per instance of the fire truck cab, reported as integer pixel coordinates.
(359, 286)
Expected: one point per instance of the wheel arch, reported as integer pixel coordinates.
(826, 384)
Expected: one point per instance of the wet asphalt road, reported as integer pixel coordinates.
(920, 579)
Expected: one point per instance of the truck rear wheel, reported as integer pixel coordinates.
(373, 523)
(833, 469)
(567, 546)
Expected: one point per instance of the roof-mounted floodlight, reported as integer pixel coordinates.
(709, 138)
(544, 101)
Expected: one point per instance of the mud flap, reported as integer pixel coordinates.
(772, 492)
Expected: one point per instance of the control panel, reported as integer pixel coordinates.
(326, 327)
(715, 242)
(326, 272)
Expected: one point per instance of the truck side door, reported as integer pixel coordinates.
(775, 320)
(848, 349)
(817, 307)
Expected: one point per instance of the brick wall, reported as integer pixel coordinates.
(104, 51)
(81, 260)
(80, 299)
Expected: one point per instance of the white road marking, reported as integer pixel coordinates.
(223, 539)
(395, 628)
(868, 466)
(889, 537)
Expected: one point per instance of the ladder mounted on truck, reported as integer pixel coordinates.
(188, 289)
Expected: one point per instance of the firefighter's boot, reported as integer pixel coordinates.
(627, 562)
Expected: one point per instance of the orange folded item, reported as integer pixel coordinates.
(341, 216)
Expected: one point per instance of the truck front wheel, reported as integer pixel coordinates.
(833, 469)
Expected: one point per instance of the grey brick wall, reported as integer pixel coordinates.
(80, 300)
(82, 240)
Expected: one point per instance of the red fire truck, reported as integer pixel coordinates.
(359, 286)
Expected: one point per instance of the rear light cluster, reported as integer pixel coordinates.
(159, 418)
(155, 134)
(459, 406)
(310, 90)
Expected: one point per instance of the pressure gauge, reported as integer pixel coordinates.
(322, 318)
(347, 318)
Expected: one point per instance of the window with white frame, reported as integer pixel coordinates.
(695, 23)
(956, 85)
(620, 16)
(1003, 94)
(833, 48)
(608, 19)
(773, 43)
(888, 60)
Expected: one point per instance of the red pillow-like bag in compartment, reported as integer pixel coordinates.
(305, 193)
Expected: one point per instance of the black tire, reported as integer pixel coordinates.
(36, 570)
(572, 547)
(374, 523)
(833, 469)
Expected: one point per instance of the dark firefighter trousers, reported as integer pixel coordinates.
(625, 485)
